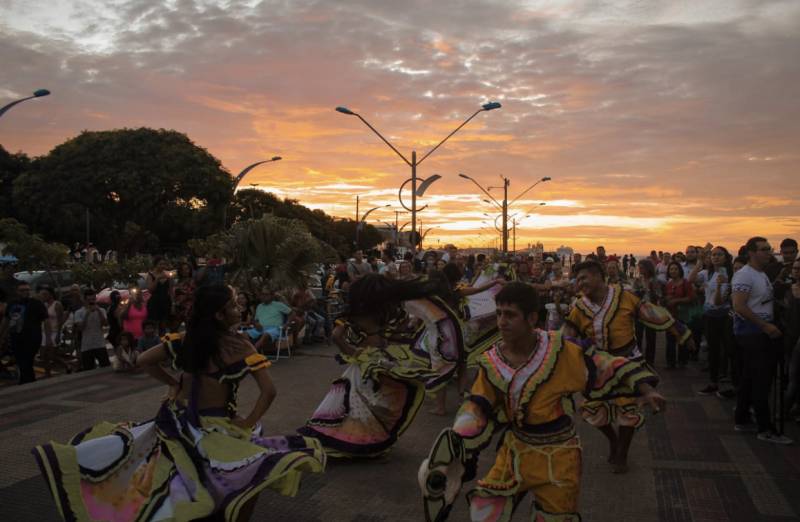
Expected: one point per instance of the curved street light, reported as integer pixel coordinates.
(414, 163)
(363, 219)
(238, 179)
(36, 94)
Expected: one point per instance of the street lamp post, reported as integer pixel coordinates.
(36, 94)
(238, 179)
(505, 204)
(414, 163)
(360, 222)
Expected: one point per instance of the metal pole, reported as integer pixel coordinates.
(514, 223)
(358, 222)
(87, 226)
(413, 199)
(396, 230)
(505, 215)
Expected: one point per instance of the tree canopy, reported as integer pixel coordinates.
(140, 186)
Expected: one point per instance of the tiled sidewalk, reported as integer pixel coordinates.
(687, 464)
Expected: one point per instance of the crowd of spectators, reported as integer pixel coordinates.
(744, 311)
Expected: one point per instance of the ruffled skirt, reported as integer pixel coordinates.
(371, 404)
(171, 469)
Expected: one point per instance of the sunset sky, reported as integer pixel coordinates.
(661, 123)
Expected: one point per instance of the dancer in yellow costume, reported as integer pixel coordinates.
(606, 315)
(525, 384)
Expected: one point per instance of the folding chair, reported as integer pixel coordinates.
(283, 340)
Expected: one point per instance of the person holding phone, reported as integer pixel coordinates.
(715, 280)
(90, 320)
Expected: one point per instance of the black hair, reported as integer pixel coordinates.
(375, 295)
(728, 264)
(157, 260)
(127, 335)
(752, 243)
(453, 274)
(590, 265)
(680, 269)
(520, 294)
(648, 266)
(741, 260)
(89, 291)
(204, 331)
(20, 282)
(788, 242)
(48, 289)
(149, 322)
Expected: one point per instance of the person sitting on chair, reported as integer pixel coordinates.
(271, 315)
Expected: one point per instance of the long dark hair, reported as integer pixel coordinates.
(728, 264)
(204, 331)
(377, 296)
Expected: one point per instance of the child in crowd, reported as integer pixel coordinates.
(126, 354)
(149, 336)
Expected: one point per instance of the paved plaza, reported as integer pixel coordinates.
(687, 464)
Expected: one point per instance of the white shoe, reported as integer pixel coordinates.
(771, 436)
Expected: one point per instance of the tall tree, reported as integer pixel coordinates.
(137, 184)
(11, 167)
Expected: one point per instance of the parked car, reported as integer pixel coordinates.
(60, 280)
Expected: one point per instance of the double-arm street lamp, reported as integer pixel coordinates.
(504, 205)
(36, 94)
(417, 191)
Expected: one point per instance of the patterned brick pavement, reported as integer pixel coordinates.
(687, 465)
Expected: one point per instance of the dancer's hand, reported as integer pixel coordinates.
(655, 400)
(241, 423)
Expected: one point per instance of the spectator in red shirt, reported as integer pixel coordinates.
(678, 298)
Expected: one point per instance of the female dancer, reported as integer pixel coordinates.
(197, 458)
(383, 387)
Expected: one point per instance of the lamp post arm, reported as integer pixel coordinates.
(449, 135)
(484, 191)
(5, 109)
(373, 129)
(525, 192)
(368, 212)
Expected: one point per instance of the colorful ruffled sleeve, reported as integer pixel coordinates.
(658, 318)
(602, 376)
(478, 418)
(250, 364)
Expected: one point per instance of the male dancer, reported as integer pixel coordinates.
(525, 383)
(607, 314)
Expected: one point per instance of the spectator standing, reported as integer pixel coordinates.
(357, 267)
(679, 297)
(114, 325)
(183, 294)
(245, 309)
(791, 322)
(25, 319)
(661, 268)
(55, 318)
(389, 268)
(91, 319)
(715, 283)
(649, 290)
(159, 283)
(133, 313)
(759, 340)
(613, 274)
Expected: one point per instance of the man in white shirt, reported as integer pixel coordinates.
(357, 267)
(759, 340)
(90, 320)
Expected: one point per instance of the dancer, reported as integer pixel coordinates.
(525, 384)
(197, 458)
(606, 314)
(383, 386)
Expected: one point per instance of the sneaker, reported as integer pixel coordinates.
(709, 390)
(771, 436)
(744, 428)
(726, 394)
